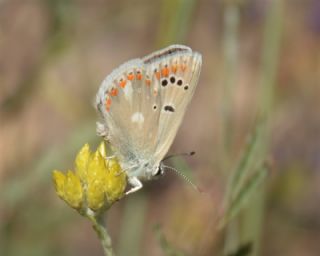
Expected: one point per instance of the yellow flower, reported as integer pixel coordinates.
(96, 184)
(68, 188)
(81, 162)
(73, 192)
(95, 195)
(114, 187)
(59, 180)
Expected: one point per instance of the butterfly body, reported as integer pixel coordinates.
(142, 104)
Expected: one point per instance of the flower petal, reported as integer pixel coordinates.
(95, 195)
(116, 181)
(96, 168)
(73, 193)
(59, 180)
(82, 161)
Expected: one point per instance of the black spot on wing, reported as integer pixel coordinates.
(169, 108)
(164, 82)
(179, 82)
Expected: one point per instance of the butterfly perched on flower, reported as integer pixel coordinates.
(142, 104)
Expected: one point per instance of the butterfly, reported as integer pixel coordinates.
(142, 104)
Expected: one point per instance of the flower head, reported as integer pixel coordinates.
(96, 183)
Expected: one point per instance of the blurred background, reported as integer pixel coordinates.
(260, 58)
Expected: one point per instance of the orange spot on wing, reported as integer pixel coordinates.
(122, 83)
(183, 67)
(130, 76)
(139, 76)
(157, 73)
(148, 82)
(114, 92)
(108, 104)
(174, 68)
(165, 71)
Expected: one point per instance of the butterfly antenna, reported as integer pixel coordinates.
(183, 176)
(181, 154)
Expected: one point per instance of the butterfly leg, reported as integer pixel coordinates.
(135, 183)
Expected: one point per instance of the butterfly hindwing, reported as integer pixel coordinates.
(123, 101)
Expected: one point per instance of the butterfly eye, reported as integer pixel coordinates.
(159, 172)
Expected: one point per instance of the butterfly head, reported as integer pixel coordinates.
(158, 171)
(152, 171)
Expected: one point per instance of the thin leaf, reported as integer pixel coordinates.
(245, 194)
(245, 165)
(175, 17)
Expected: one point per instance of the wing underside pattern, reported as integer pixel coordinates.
(143, 102)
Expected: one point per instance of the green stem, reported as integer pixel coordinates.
(253, 217)
(175, 17)
(100, 228)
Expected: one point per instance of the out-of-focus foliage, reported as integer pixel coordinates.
(53, 57)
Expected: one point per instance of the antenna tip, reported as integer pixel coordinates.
(192, 153)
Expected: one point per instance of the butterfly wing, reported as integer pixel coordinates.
(142, 103)
(126, 102)
(179, 73)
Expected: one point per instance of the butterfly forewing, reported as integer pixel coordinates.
(176, 91)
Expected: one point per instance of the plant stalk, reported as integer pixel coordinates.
(99, 226)
(253, 216)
